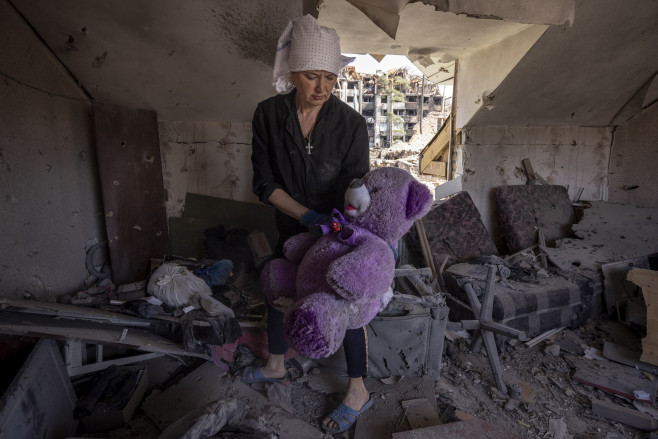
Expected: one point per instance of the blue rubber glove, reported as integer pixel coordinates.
(312, 219)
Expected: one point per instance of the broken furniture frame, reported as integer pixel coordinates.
(76, 358)
(485, 327)
(533, 177)
(437, 275)
(79, 326)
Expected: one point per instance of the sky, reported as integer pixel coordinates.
(368, 64)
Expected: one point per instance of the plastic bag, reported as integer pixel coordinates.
(178, 287)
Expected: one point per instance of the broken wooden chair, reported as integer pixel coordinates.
(484, 326)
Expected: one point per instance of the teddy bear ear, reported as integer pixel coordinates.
(419, 200)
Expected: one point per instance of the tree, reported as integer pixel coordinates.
(392, 87)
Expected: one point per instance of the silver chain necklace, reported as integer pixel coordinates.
(308, 146)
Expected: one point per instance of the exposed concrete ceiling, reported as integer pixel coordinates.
(211, 59)
(431, 39)
(597, 72)
(202, 60)
(431, 33)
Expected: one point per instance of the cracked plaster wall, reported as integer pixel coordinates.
(475, 90)
(205, 158)
(574, 157)
(633, 161)
(50, 208)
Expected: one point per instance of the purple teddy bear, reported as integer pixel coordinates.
(343, 279)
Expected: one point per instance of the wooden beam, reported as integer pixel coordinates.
(436, 168)
(448, 188)
(66, 311)
(435, 147)
(533, 177)
(37, 325)
(625, 415)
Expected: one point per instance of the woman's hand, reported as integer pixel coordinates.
(313, 219)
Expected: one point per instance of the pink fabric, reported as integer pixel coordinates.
(255, 338)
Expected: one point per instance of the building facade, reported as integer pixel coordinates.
(393, 103)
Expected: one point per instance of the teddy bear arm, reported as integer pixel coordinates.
(296, 246)
(365, 272)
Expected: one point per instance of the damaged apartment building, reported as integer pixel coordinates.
(393, 103)
(523, 302)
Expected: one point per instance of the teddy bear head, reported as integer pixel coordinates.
(386, 201)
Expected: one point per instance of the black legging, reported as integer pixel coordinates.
(354, 343)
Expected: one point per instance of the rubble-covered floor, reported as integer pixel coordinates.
(551, 403)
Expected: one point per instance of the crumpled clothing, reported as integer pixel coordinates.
(217, 274)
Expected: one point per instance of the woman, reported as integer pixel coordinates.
(307, 147)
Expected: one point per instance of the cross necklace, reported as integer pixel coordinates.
(308, 146)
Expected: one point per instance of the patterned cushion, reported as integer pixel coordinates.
(533, 305)
(454, 228)
(522, 208)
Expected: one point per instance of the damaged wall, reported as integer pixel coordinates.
(205, 158)
(476, 90)
(51, 210)
(633, 161)
(52, 206)
(203, 60)
(576, 157)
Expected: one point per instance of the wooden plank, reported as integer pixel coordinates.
(648, 281)
(436, 168)
(533, 177)
(623, 355)
(617, 289)
(420, 413)
(614, 378)
(448, 188)
(91, 332)
(425, 246)
(625, 415)
(527, 165)
(435, 147)
(649, 351)
(130, 171)
(40, 400)
(70, 312)
(473, 428)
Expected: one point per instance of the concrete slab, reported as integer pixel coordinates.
(207, 384)
(458, 430)
(387, 415)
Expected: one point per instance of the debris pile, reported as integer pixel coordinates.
(405, 155)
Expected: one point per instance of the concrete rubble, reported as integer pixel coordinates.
(573, 381)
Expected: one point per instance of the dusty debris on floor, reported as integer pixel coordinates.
(546, 342)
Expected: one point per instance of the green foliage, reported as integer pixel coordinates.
(392, 87)
(401, 82)
(397, 95)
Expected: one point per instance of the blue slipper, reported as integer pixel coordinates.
(252, 375)
(345, 417)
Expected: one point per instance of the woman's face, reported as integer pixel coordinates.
(313, 86)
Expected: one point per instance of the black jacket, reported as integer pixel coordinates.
(318, 180)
